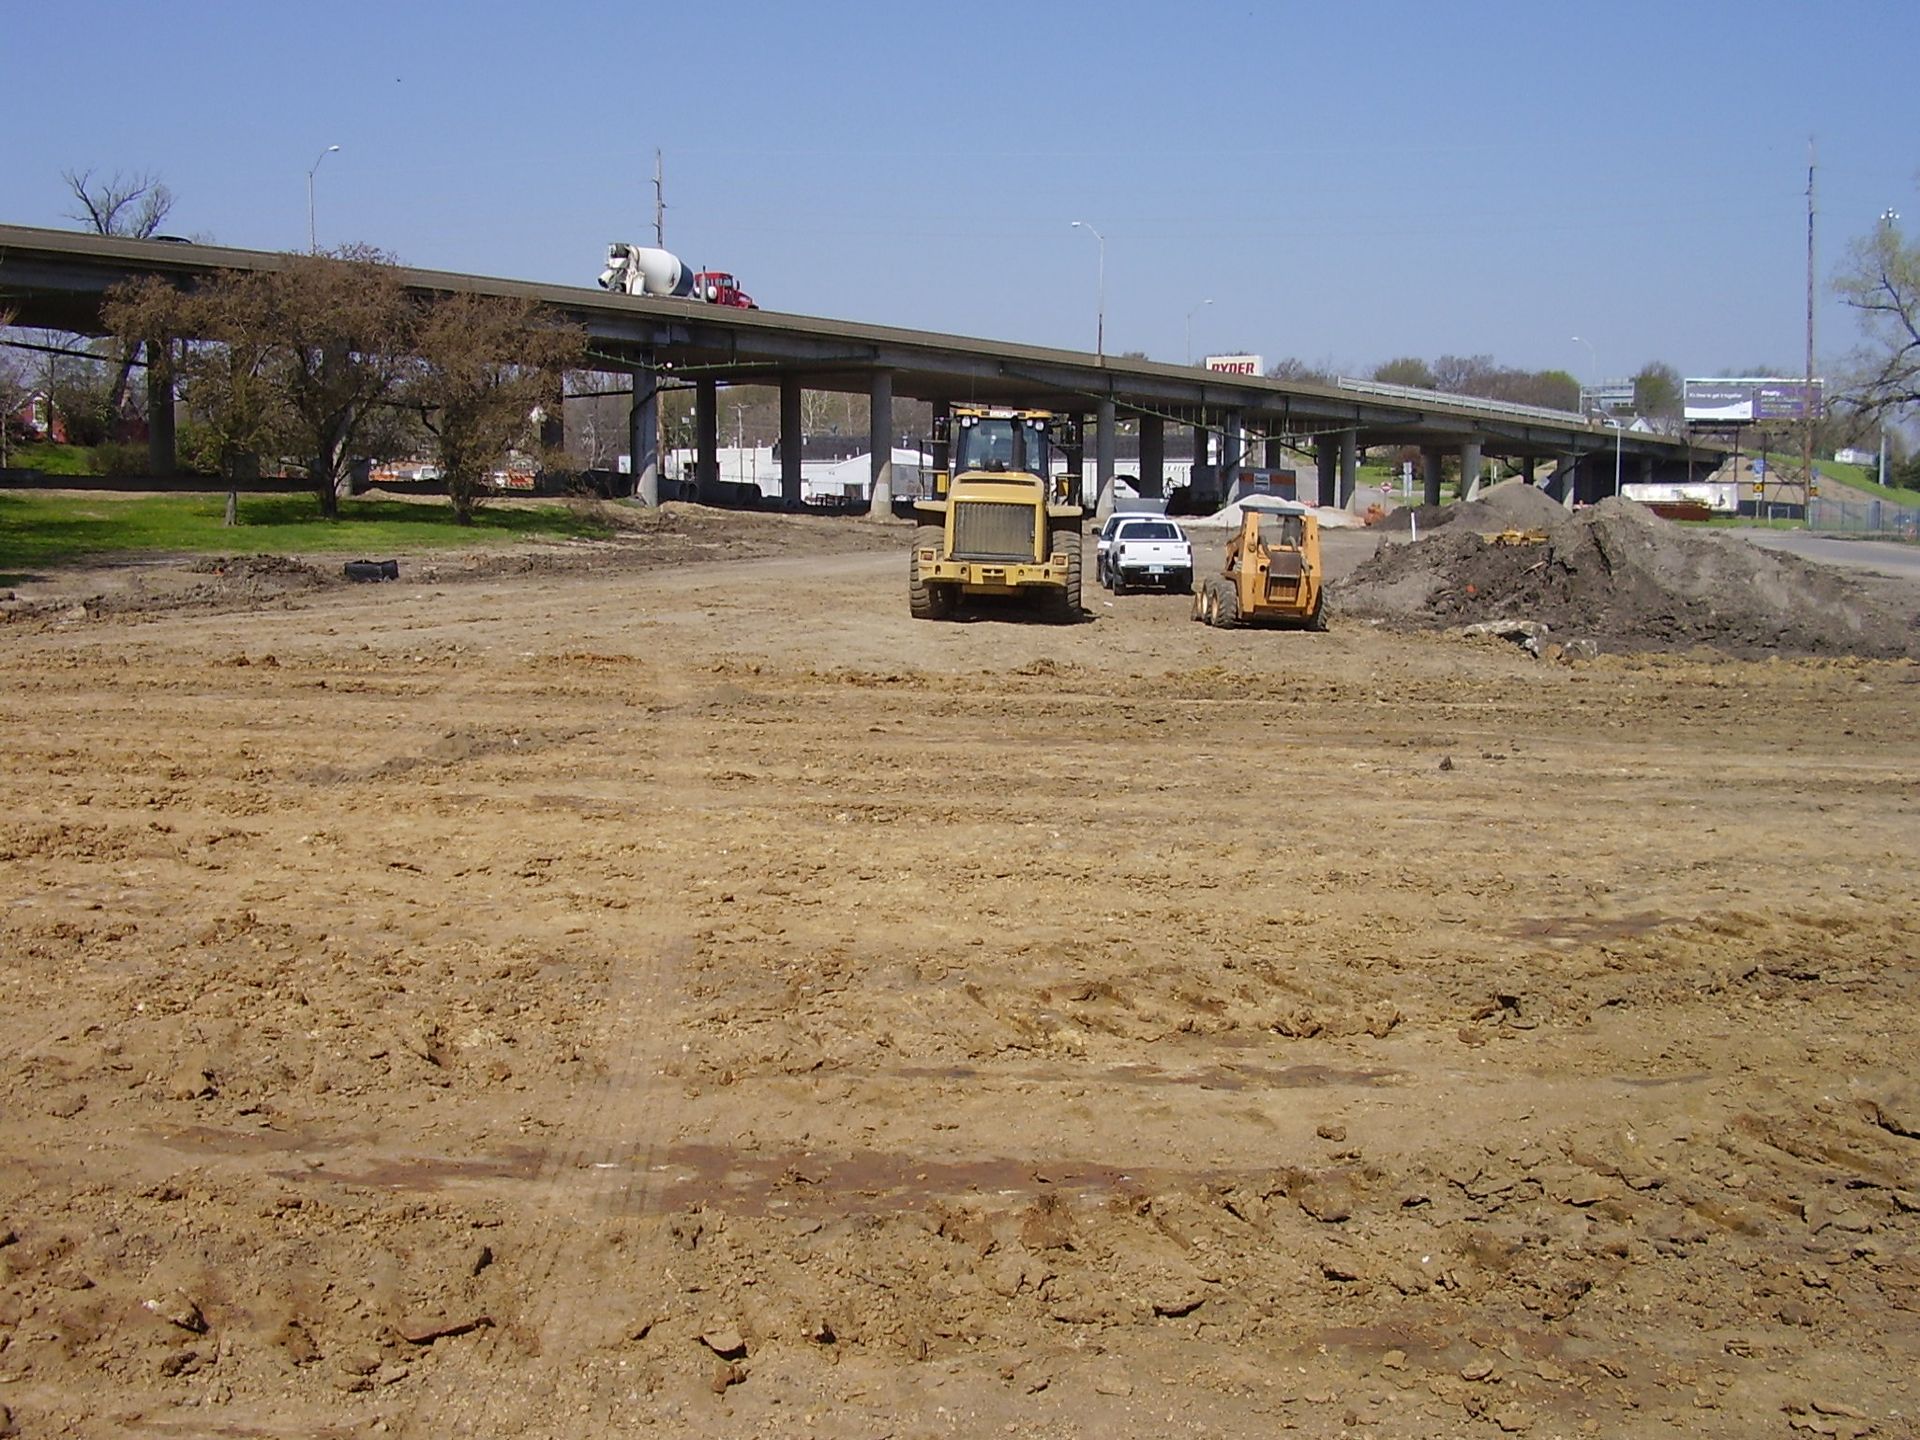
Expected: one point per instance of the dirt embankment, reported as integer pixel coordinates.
(1622, 577)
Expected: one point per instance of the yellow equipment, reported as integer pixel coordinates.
(997, 523)
(1272, 572)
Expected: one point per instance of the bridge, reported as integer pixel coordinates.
(59, 279)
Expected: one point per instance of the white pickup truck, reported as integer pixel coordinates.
(1145, 550)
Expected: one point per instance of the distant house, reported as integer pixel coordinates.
(1852, 456)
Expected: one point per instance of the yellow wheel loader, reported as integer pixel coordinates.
(998, 523)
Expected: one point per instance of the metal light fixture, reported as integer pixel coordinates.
(312, 247)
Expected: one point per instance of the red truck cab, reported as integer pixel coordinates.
(717, 287)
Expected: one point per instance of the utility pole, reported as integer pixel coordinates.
(659, 205)
(1806, 398)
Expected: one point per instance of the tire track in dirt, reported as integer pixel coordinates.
(532, 1372)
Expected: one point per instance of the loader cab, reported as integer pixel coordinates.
(999, 441)
(999, 444)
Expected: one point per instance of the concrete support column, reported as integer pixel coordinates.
(793, 441)
(1526, 469)
(1275, 457)
(880, 441)
(643, 438)
(1326, 454)
(1469, 469)
(1349, 465)
(706, 441)
(1103, 438)
(1232, 442)
(1430, 476)
(1198, 481)
(1646, 470)
(1153, 456)
(161, 456)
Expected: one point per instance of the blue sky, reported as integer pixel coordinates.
(1346, 182)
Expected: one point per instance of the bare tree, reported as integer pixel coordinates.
(130, 205)
(484, 364)
(597, 410)
(1881, 282)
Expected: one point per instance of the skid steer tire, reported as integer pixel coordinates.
(927, 600)
(1317, 621)
(1226, 607)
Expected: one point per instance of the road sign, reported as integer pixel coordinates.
(1760, 465)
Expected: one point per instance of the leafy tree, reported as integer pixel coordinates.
(15, 389)
(1881, 282)
(78, 392)
(303, 356)
(1407, 370)
(225, 364)
(1657, 391)
(483, 365)
(340, 323)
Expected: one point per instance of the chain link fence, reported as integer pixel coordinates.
(1865, 517)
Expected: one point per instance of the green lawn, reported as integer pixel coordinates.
(39, 531)
(51, 459)
(1859, 479)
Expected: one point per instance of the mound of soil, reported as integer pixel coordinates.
(1623, 577)
(1510, 505)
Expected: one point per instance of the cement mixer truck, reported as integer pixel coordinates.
(643, 270)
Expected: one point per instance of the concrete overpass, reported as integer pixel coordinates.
(58, 280)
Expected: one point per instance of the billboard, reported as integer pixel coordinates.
(1750, 401)
(1237, 364)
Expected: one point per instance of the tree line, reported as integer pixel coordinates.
(329, 359)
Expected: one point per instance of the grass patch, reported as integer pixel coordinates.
(1744, 522)
(42, 531)
(51, 459)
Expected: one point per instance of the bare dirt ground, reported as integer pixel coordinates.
(629, 997)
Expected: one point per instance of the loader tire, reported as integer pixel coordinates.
(1063, 605)
(927, 599)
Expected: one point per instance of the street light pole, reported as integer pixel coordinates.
(1100, 332)
(312, 247)
(1190, 315)
(1593, 364)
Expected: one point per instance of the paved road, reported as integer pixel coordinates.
(1882, 557)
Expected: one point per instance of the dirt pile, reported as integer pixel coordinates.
(1510, 505)
(1624, 578)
